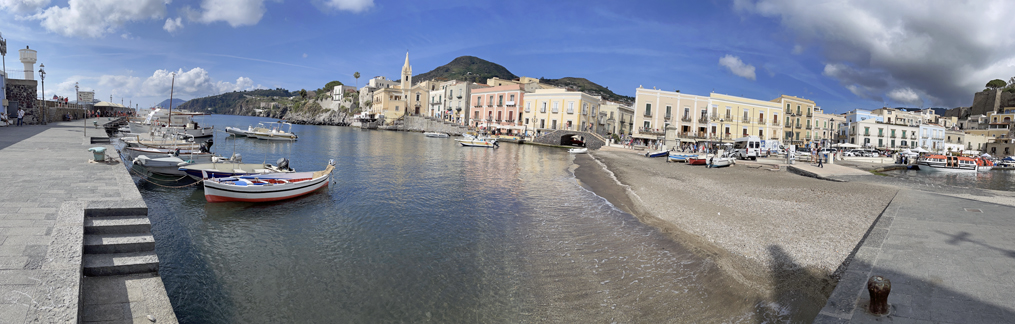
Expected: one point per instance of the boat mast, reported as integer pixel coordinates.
(172, 85)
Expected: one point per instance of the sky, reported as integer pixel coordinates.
(843, 54)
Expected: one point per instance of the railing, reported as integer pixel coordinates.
(728, 117)
(798, 126)
(791, 114)
(746, 120)
(808, 127)
(703, 120)
(713, 118)
(510, 105)
(881, 135)
(892, 136)
(775, 122)
(912, 137)
(478, 105)
(648, 114)
(644, 130)
(774, 138)
(685, 118)
(867, 134)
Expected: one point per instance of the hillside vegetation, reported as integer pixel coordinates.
(589, 87)
(466, 68)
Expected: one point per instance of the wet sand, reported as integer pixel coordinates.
(781, 236)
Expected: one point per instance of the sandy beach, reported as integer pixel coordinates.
(778, 233)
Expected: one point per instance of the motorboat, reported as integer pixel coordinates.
(657, 153)
(266, 187)
(239, 132)
(436, 135)
(274, 132)
(479, 142)
(697, 160)
(178, 122)
(233, 168)
(581, 150)
(132, 153)
(939, 162)
(720, 161)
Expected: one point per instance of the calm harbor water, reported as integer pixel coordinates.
(417, 229)
(994, 179)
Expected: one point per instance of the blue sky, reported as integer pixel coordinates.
(842, 54)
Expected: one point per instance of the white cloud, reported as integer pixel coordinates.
(905, 95)
(121, 86)
(193, 83)
(23, 6)
(234, 12)
(797, 49)
(350, 5)
(948, 48)
(95, 18)
(173, 25)
(735, 65)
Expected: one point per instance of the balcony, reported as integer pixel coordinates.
(881, 135)
(703, 119)
(912, 137)
(510, 103)
(867, 134)
(775, 122)
(746, 120)
(892, 136)
(489, 105)
(808, 127)
(478, 105)
(713, 118)
(728, 118)
(651, 131)
(810, 114)
(648, 114)
(685, 118)
(798, 126)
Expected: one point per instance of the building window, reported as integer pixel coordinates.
(553, 124)
(479, 101)
(543, 110)
(542, 123)
(648, 109)
(500, 100)
(669, 110)
(512, 98)
(528, 106)
(570, 107)
(648, 125)
(556, 107)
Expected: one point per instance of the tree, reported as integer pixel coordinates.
(356, 75)
(996, 84)
(331, 85)
(303, 93)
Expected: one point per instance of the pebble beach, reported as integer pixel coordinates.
(773, 231)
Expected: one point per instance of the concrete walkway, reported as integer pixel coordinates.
(48, 183)
(950, 260)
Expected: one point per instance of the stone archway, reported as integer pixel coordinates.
(564, 137)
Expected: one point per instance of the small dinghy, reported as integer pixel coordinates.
(578, 150)
(266, 187)
(436, 135)
(657, 154)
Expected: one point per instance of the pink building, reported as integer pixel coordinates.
(498, 108)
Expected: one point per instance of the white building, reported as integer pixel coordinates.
(366, 93)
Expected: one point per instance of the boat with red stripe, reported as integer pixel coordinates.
(266, 187)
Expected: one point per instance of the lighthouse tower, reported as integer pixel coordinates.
(28, 58)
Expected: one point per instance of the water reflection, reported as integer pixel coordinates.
(994, 179)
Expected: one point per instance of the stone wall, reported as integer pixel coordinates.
(991, 101)
(25, 93)
(426, 124)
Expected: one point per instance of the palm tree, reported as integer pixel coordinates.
(356, 75)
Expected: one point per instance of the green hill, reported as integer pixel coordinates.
(466, 68)
(589, 87)
(226, 103)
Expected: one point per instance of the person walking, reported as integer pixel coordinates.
(21, 116)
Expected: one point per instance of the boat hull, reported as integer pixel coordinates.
(719, 162)
(477, 143)
(217, 192)
(225, 170)
(696, 161)
(436, 135)
(657, 154)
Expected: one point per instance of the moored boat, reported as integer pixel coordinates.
(679, 157)
(720, 161)
(233, 168)
(697, 160)
(266, 187)
(578, 150)
(479, 142)
(436, 134)
(238, 131)
(274, 132)
(657, 153)
(939, 162)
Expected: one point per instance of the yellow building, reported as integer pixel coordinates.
(553, 109)
(826, 126)
(799, 119)
(392, 103)
(717, 117)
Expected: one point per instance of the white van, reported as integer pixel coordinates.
(747, 147)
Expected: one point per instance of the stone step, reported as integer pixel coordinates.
(118, 243)
(113, 264)
(117, 225)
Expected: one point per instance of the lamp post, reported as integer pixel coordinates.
(42, 75)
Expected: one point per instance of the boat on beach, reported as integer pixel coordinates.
(697, 160)
(578, 150)
(266, 187)
(657, 153)
(720, 161)
(679, 157)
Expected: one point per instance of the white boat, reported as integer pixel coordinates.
(266, 187)
(132, 153)
(274, 132)
(578, 150)
(937, 162)
(180, 122)
(168, 165)
(234, 167)
(719, 162)
(478, 142)
(436, 134)
(238, 131)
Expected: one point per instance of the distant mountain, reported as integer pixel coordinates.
(226, 103)
(589, 87)
(466, 68)
(176, 103)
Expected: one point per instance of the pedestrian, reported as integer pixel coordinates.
(820, 165)
(21, 116)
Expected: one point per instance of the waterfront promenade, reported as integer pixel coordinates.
(48, 183)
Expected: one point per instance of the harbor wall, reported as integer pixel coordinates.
(427, 124)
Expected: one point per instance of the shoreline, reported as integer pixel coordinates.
(765, 229)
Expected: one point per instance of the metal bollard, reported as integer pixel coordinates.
(879, 287)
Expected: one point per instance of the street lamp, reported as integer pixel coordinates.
(42, 75)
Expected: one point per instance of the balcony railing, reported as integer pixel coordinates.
(728, 117)
(892, 136)
(685, 118)
(478, 105)
(775, 122)
(703, 119)
(808, 127)
(648, 114)
(644, 130)
(798, 126)
(746, 120)
(867, 134)
(810, 114)
(912, 137)
(713, 118)
(881, 135)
